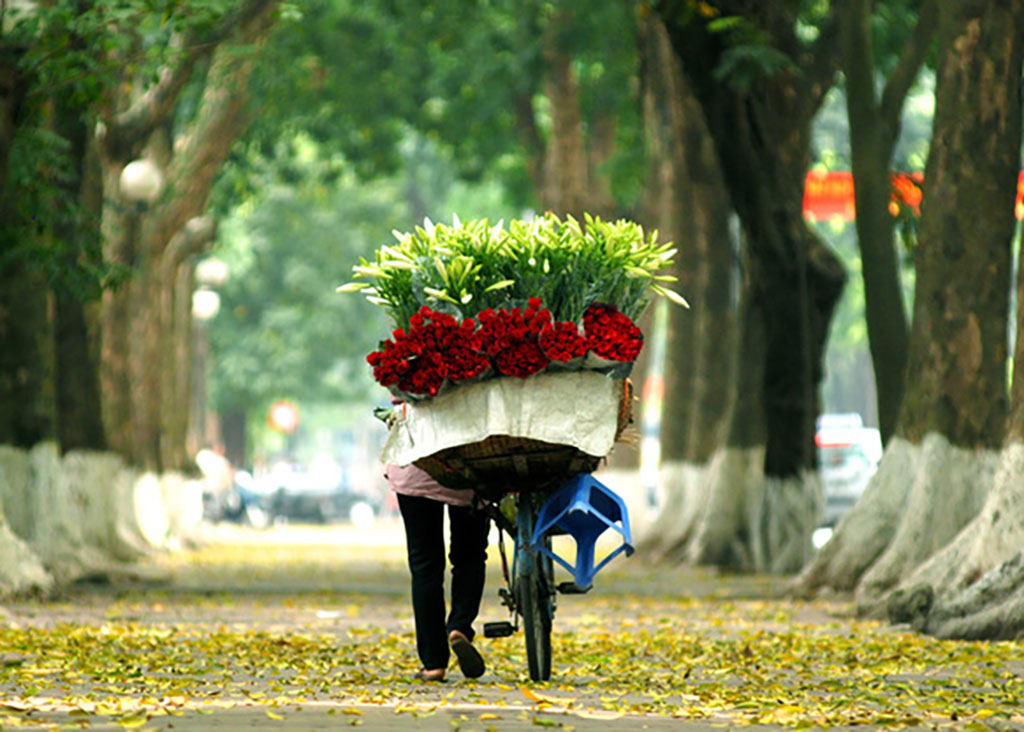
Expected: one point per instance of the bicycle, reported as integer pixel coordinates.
(527, 488)
(545, 489)
(529, 592)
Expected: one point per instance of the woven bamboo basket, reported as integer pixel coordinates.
(503, 463)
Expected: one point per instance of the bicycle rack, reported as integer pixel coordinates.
(583, 508)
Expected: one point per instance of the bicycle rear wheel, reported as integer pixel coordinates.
(536, 598)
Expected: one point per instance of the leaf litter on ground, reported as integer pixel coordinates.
(291, 625)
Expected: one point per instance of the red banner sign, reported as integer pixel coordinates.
(830, 194)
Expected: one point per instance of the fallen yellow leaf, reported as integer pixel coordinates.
(133, 720)
(598, 714)
(529, 694)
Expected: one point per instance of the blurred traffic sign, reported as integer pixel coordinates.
(283, 416)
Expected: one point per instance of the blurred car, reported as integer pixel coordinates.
(848, 455)
(303, 497)
(238, 503)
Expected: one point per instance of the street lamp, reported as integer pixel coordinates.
(141, 182)
(210, 273)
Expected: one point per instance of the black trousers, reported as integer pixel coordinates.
(424, 536)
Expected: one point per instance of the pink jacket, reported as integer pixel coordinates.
(412, 481)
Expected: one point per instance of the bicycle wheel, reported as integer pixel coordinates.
(535, 595)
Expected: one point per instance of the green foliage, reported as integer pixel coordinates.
(38, 172)
(466, 268)
(358, 77)
(750, 55)
(281, 330)
(74, 55)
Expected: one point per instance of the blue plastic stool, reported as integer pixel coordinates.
(583, 508)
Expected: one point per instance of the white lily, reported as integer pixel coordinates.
(353, 287)
(439, 294)
(670, 294)
(392, 253)
(369, 271)
(499, 285)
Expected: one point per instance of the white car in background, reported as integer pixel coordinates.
(848, 455)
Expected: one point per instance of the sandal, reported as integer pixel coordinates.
(471, 663)
(435, 675)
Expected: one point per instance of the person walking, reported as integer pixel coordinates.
(421, 502)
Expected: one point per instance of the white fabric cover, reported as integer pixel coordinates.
(578, 408)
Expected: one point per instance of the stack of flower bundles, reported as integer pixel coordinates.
(471, 301)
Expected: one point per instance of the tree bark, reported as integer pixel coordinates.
(874, 128)
(565, 179)
(954, 410)
(762, 137)
(142, 366)
(686, 197)
(79, 419)
(958, 345)
(26, 395)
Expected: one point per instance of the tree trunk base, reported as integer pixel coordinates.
(684, 487)
(947, 490)
(990, 609)
(751, 523)
(866, 530)
(992, 538)
(791, 508)
(20, 569)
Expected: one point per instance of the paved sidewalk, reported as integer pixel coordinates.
(310, 628)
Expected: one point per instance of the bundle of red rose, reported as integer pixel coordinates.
(511, 342)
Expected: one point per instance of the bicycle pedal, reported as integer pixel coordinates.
(498, 629)
(571, 588)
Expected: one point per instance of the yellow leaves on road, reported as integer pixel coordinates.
(147, 654)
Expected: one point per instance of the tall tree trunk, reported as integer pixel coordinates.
(954, 409)
(974, 587)
(723, 535)
(565, 180)
(79, 420)
(762, 137)
(689, 201)
(13, 86)
(119, 235)
(761, 133)
(958, 347)
(25, 415)
(668, 207)
(26, 412)
(160, 241)
(874, 128)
